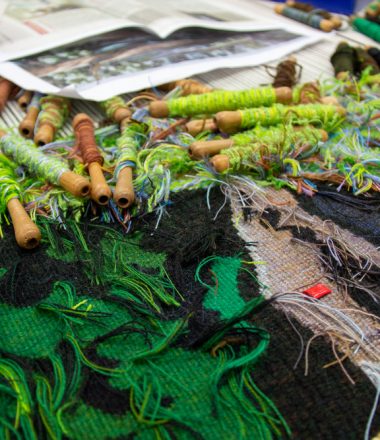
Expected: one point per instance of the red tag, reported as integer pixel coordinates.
(317, 291)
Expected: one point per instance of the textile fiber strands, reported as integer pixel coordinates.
(26, 127)
(210, 103)
(85, 142)
(128, 145)
(315, 114)
(278, 135)
(313, 20)
(366, 27)
(27, 233)
(116, 109)
(24, 153)
(54, 111)
(343, 60)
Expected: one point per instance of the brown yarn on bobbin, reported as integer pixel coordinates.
(84, 135)
(286, 73)
(86, 144)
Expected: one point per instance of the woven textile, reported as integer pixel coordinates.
(151, 334)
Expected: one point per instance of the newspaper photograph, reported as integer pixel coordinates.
(31, 26)
(129, 59)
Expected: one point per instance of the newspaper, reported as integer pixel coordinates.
(97, 49)
(32, 26)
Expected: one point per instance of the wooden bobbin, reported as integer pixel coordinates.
(284, 95)
(228, 122)
(124, 194)
(121, 113)
(159, 109)
(325, 25)
(100, 191)
(198, 125)
(27, 234)
(24, 99)
(75, 184)
(26, 127)
(45, 134)
(200, 149)
(220, 162)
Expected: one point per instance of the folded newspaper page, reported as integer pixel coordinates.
(63, 50)
(32, 26)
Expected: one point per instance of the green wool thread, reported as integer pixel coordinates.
(277, 135)
(111, 105)
(9, 187)
(279, 140)
(366, 27)
(210, 103)
(325, 116)
(24, 153)
(128, 144)
(54, 111)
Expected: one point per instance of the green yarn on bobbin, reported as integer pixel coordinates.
(210, 103)
(24, 152)
(278, 135)
(9, 187)
(54, 111)
(325, 116)
(128, 144)
(111, 105)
